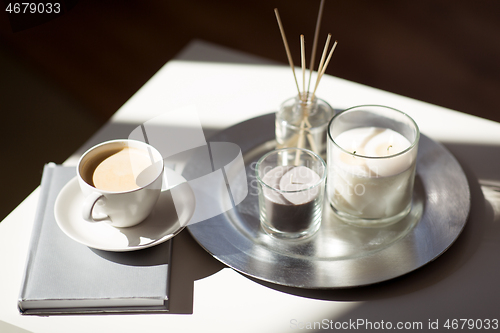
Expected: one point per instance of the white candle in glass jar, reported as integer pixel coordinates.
(370, 177)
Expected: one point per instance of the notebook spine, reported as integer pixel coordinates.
(48, 171)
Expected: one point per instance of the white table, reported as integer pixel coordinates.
(206, 296)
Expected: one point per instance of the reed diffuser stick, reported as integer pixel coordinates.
(303, 64)
(315, 42)
(305, 106)
(288, 54)
(323, 56)
(301, 140)
(323, 69)
(304, 124)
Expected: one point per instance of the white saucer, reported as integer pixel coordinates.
(165, 221)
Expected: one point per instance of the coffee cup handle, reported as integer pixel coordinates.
(88, 207)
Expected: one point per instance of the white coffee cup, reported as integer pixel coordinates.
(114, 198)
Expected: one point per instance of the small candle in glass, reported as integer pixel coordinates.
(291, 191)
(372, 154)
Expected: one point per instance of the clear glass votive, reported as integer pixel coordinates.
(372, 154)
(303, 123)
(291, 192)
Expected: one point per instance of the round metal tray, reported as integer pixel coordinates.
(338, 255)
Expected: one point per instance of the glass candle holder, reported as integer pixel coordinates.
(372, 154)
(302, 123)
(291, 192)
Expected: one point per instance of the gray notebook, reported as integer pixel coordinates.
(63, 276)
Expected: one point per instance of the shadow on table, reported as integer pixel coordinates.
(190, 263)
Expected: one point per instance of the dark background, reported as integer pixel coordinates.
(62, 79)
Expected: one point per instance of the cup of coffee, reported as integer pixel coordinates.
(121, 181)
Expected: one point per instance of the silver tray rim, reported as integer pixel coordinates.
(446, 209)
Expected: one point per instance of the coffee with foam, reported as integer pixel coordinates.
(119, 172)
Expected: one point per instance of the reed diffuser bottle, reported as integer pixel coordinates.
(302, 122)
